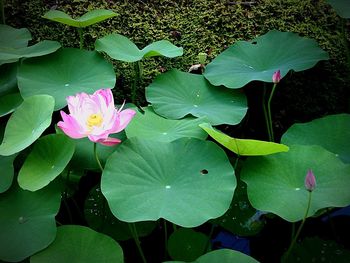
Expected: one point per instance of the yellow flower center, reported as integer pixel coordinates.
(94, 120)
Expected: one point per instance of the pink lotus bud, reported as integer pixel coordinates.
(310, 181)
(94, 116)
(276, 77)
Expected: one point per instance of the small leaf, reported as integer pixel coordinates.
(50, 155)
(176, 94)
(244, 147)
(8, 79)
(27, 123)
(80, 244)
(89, 18)
(6, 164)
(121, 48)
(258, 59)
(149, 125)
(13, 38)
(9, 103)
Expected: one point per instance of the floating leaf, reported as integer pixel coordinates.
(149, 125)
(187, 181)
(89, 18)
(222, 256)
(335, 135)
(9, 103)
(6, 177)
(27, 221)
(176, 94)
(80, 244)
(60, 76)
(187, 244)
(100, 218)
(27, 123)
(342, 7)
(40, 49)
(275, 183)
(258, 59)
(244, 147)
(121, 48)
(50, 155)
(318, 250)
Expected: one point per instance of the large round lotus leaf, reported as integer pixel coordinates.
(342, 7)
(187, 244)
(176, 94)
(258, 59)
(50, 155)
(89, 18)
(40, 49)
(187, 181)
(331, 132)
(27, 221)
(6, 177)
(222, 256)
(60, 76)
(9, 102)
(150, 125)
(318, 250)
(275, 183)
(80, 244)
(13, 38)
(100, 218)
(27, 123)
(8, 79)
(121, 48)
(244, 147)
(241, 218)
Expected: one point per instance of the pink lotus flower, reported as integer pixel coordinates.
(310, 181)
(276, 77)
(94, 116)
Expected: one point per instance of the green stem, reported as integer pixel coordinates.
(267, 120)
(81, 38)
(137, 81)
(96, 157)
(134, 234)
(236, 162)
(2, 7)
(269, 111)
(299, 229)
(208, 246)
(174, 227)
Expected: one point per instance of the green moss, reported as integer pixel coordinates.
(198, 26)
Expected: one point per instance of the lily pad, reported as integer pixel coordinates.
(150, 125)
(100, 218)
(80, 244)
(89, 18)
(27, 123)
(335, 135)
(187, 181)
(176, 94)
(8, 55)
(275, 183)
(244, 147)
(259, 58)
(50, 155)
(222, 256)
(6, 164)
(342, 7)
(187, 244)
(60, 76)
(121, 48)
(13, 38)
(9, 103)
(27, 221)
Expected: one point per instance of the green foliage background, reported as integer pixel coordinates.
(210, 26)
